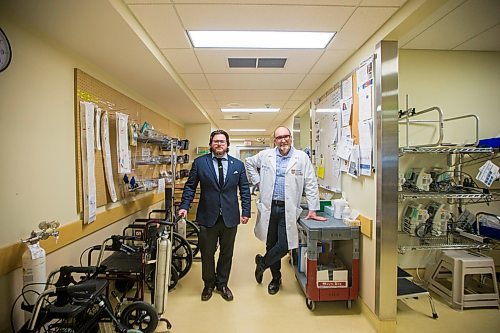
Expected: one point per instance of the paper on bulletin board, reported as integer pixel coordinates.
(321, 167)
(353, 170)
(344, 148)
(336, 179)
(88, 161)
(97, 126)
(346, 109)
(347, 88)
(124, 162)
(365, 103)
(364, 75)
(365, 147)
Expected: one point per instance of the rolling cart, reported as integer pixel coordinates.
(328, 285)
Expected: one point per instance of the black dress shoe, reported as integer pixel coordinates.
(274, 286)
(259, 268)
(206, 293)
(226, 293)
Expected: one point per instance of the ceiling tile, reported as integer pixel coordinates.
(360, 27)
(270, 2)
(263, 17)
(461, 24)
(162, 25)
(263, 103)
(254, 81)
(252, 95)
(330, 61)
(210, 104)
(382, 3)
(195, 81)
(292, 104)
(313, 81)
(203, 95)
(298, 61)
(301, 94)
(183, 60)
(486, 41)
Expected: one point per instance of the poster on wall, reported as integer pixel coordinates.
(88, 161)
(124, 162)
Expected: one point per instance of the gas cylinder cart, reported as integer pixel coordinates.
(327, 261)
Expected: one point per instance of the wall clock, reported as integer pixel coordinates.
(5, 51)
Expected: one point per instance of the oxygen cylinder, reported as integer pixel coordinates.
(33, 262)
(162, 279)
(34, 271)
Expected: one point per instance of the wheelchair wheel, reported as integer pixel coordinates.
(174, 278)
(140, 316)
(192, 234)
(182, 255)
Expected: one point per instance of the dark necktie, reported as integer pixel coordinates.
(221, 172)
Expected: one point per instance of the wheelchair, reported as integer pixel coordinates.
(82, 306)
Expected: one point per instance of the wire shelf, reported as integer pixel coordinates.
(447, 150)
(450, 242)
(439, 195)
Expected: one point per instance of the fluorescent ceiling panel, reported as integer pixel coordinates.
(250, 110)
(261, 39)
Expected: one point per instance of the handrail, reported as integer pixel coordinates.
(407, 121)
(410, 113)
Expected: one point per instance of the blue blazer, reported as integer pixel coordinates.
(212, 196)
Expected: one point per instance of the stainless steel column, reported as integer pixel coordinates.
(386, 116)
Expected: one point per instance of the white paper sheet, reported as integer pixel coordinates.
(354, 162)
(365, 103)
(364, 75)
(88, 161)
(365, 147)
(347, 88)
(344, 148)
(106, 155)
(122, 143)
(488, 172)
(336, 182)
(161, 185)
(98, 128)
(346, 109)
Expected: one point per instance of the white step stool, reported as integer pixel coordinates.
(453, 266)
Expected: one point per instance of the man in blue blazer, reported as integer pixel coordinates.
(218, 215)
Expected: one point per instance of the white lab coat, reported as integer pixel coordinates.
(299, 178)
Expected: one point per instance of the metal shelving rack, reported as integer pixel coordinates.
(458, 157)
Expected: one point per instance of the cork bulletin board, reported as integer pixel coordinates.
(108, 99)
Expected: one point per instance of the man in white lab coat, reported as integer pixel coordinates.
(285, 174)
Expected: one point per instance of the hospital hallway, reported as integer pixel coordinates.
(254, 310)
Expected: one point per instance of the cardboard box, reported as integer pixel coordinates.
(332, 273)
(332, 279)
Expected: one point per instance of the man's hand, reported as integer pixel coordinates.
(183, 212)
(311, 215)
(244, 219)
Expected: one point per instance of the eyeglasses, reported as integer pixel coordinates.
(281, 137)
(219, 142)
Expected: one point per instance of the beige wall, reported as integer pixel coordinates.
(37, 145)
(459, 82)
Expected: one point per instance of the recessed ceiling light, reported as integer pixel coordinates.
(261, 39)
(250, 109)
(247, 130)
